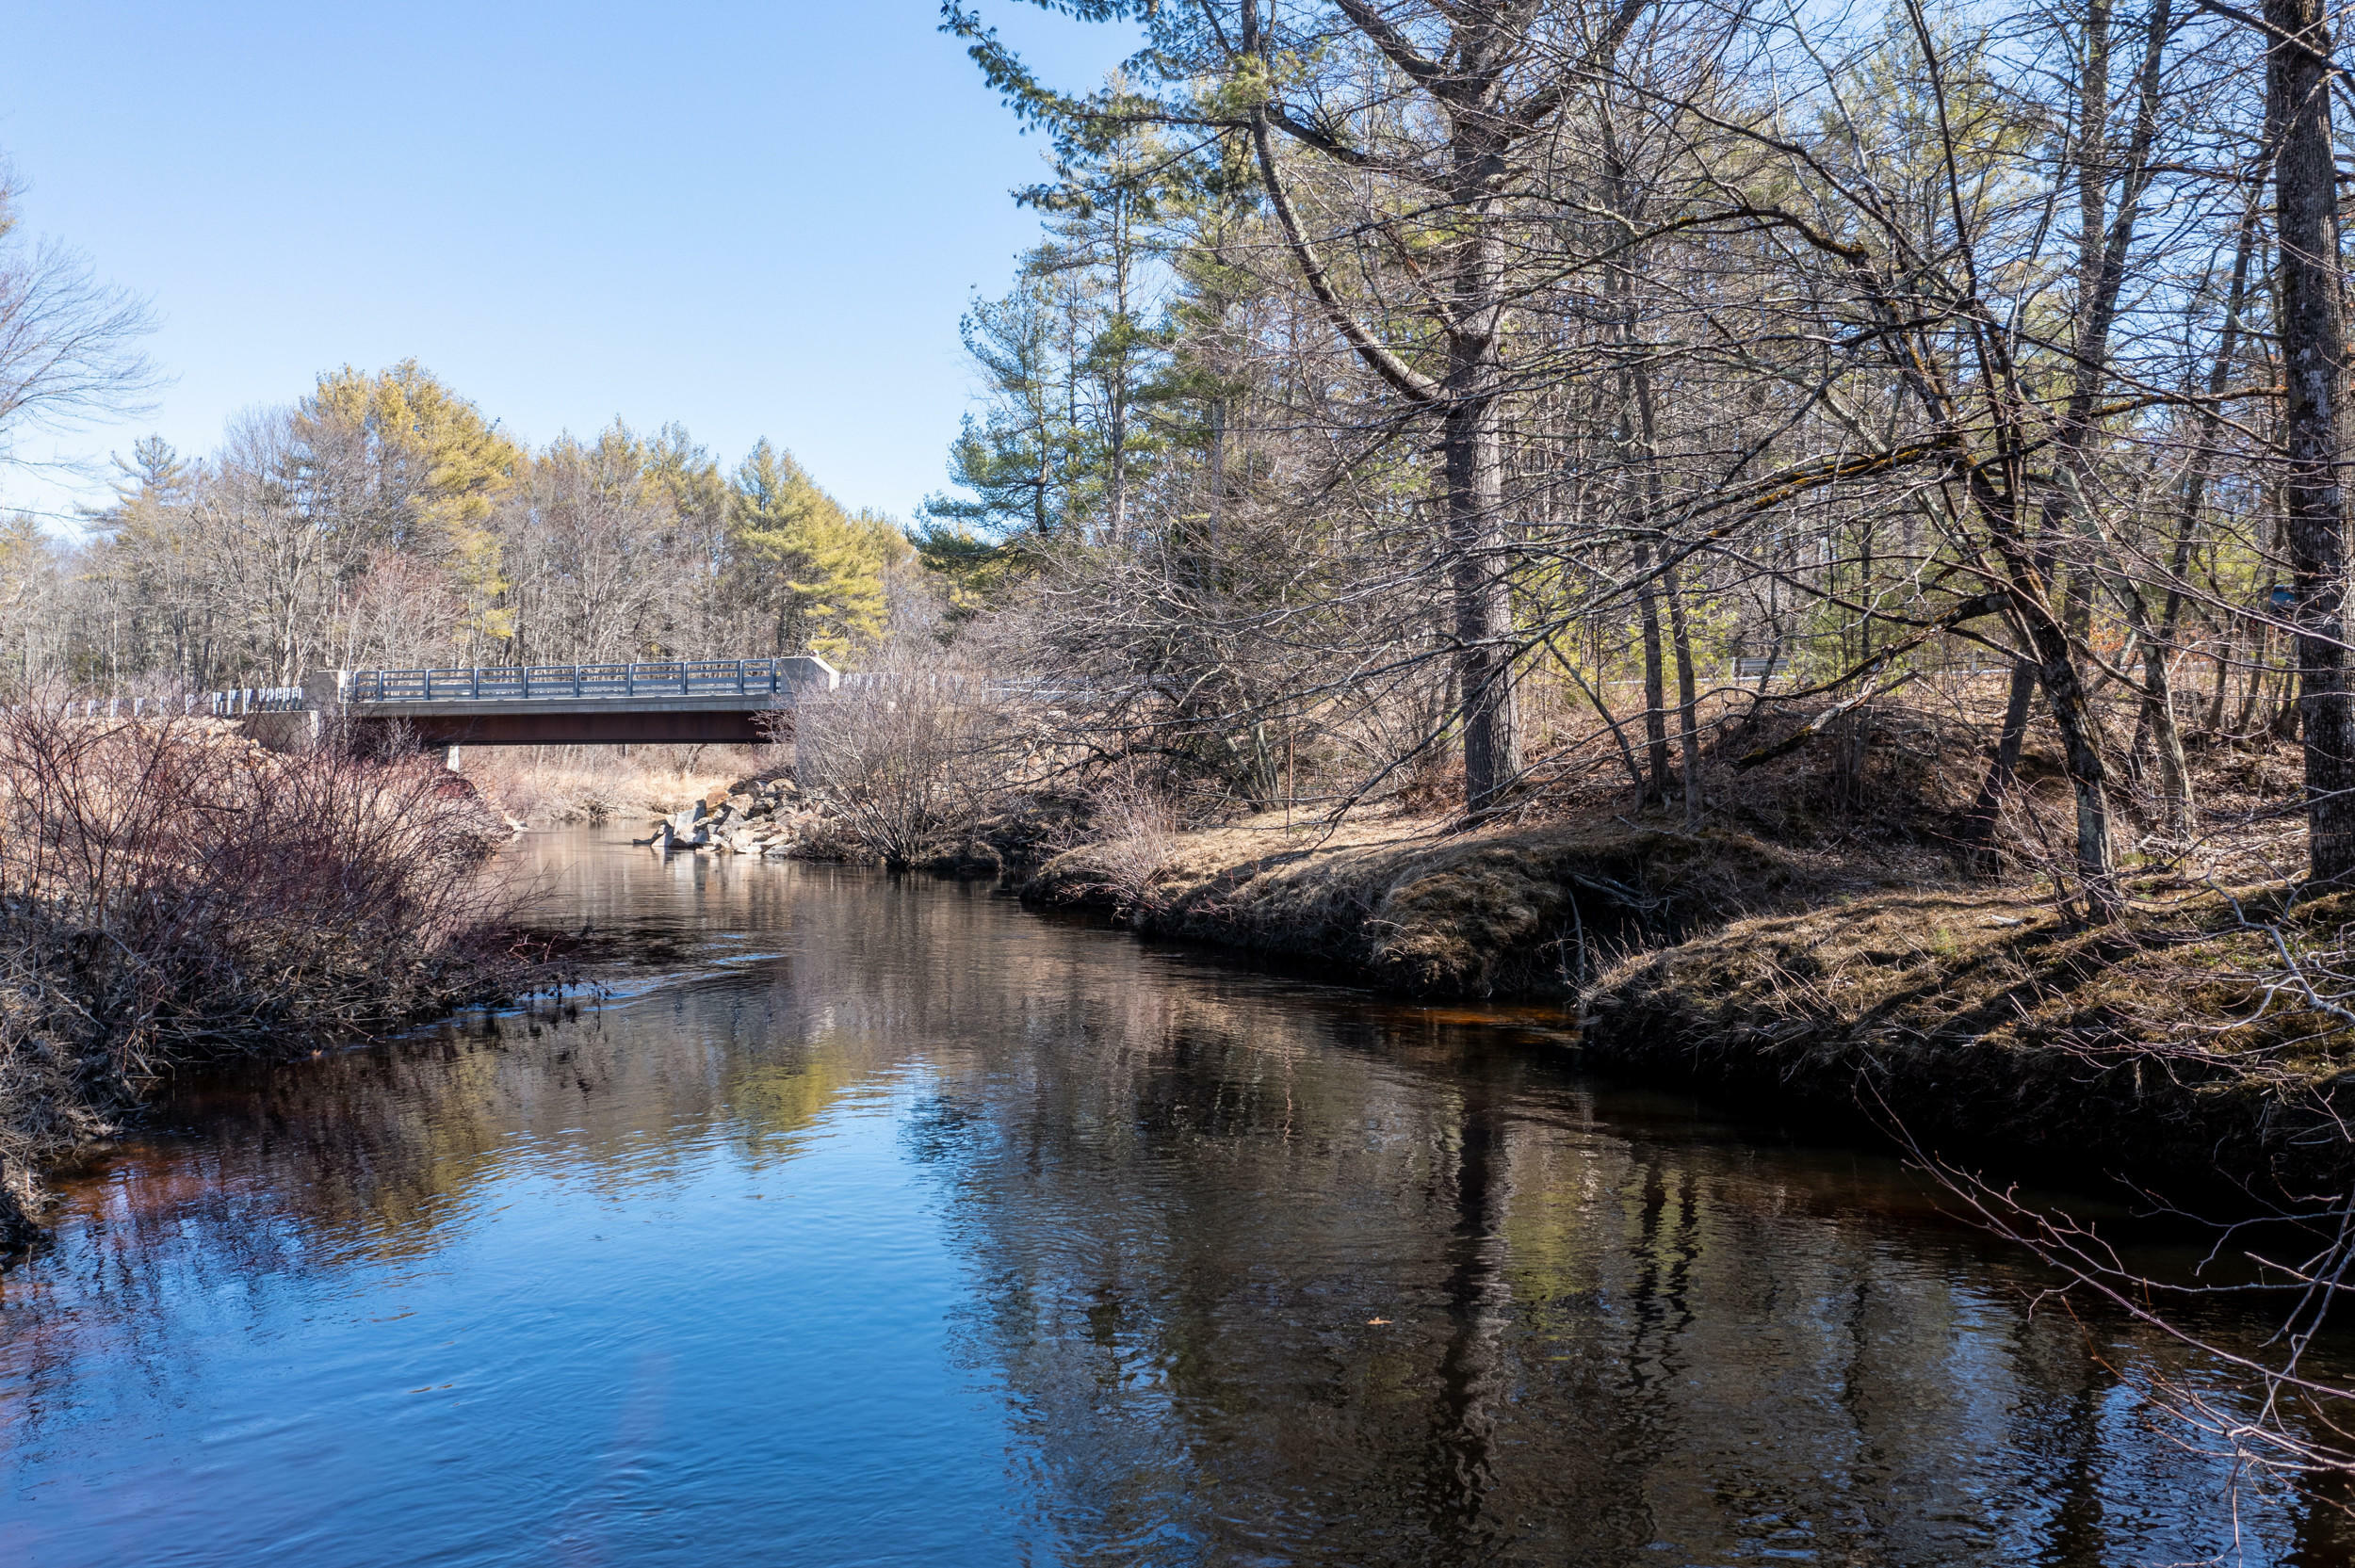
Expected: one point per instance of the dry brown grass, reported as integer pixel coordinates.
(1864, 978)
(2167, 1040)
(1411, 904)
(551, 785)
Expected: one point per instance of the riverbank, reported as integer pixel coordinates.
(1977, 1019)
(888, 1216)
(547, 786)
(171, 893)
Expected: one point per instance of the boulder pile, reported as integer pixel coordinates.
(753, 817)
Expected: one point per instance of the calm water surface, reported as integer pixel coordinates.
(891, 1224)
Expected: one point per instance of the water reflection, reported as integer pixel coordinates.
(904, 1227)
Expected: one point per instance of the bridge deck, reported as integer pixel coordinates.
(719, 680)
(664, 701)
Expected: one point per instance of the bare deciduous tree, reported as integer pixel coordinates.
(69, 343)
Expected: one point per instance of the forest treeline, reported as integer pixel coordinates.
(382, 520)
(1531, 392)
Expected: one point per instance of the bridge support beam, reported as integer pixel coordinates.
(691, 727)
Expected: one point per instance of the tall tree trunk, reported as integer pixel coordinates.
(2002, 768)
(1655, 508)
(2081, 755)
(1472, 459)
(1218, 466)
(1116, 481)
(2314, 354)
(2166, 739)
(1482, 600)
(2067, 696)
(1466, 399)
(2031, 554)
(2027, 565)
(2230, 632)
(1655, 684)
(1116, 386)
(1688, 708)
(2158, 688)
(2252, 693)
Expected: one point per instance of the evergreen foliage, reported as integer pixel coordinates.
(816, 570)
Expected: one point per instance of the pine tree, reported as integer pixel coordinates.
(398, 459)
(813, 574)
(1072, 363)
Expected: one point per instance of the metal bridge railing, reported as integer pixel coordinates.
(512, 683)
(255, 699)
(191, 705)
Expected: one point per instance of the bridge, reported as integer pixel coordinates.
(733, 701)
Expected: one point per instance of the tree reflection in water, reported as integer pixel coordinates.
(904, 1226)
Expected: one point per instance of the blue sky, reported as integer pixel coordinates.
(753, 219)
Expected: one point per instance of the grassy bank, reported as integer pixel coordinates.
(544, 786)
(1409, 906)
(2180, 1042)
(2197, 1032)
(170, 893)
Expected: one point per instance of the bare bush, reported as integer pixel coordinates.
(1136, 834)
(907, 756)
(169, 893)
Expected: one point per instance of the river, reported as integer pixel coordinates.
(878, 1221)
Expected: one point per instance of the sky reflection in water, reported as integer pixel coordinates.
(903, 1227)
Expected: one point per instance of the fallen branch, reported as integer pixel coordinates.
(1816, 727)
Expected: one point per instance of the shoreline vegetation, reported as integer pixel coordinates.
(1973, 1022)
(546, 786)
(172, 894)
(1825, 944)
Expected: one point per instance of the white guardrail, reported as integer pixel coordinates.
(194, 704)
